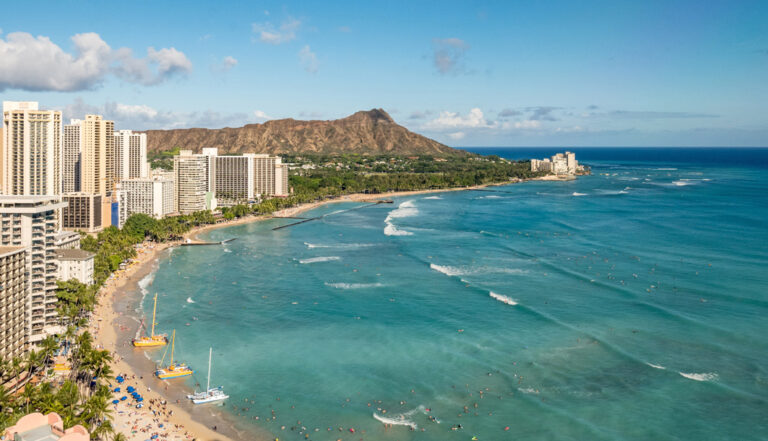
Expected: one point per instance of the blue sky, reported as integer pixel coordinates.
(555, 73)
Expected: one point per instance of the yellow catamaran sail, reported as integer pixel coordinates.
(152, 340)
(172, 370)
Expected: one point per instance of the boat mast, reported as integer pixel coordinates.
(154, 309)
(210, 354)
(173, 340)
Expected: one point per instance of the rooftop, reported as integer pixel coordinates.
(4, 251)
(74, 254)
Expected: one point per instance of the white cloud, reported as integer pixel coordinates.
(229, 62)
(268, 33)
(144, 117)
(38, 64)
(448, 121)
(261, 115)
(308, 59)
(457, 135)
(528, 124)
(448, 54)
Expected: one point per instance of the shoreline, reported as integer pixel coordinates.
(174, 420)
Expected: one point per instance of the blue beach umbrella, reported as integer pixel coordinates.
(117, 389)
(123, 398)
(115, 401)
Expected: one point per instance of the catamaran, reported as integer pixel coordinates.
(151, 340)
(209, 395)
(172, 370)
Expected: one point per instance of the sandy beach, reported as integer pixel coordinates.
(167, 413)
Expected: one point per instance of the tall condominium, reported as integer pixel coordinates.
(30, 222)
(153, 197)
(270, 176)
(70, 153)
(560, 164)
(130, 155)
(13, 301)
(233, 179)
(31, 149)
(191, 176)
(98, 155)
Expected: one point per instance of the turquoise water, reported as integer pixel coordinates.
(630, 304)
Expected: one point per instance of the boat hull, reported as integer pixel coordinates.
(177, 372)
(148, 342)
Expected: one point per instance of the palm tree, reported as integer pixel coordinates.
(119, 437)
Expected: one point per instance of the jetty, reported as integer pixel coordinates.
(302, 220)
(191, 243)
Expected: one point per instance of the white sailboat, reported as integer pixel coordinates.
(209, 395)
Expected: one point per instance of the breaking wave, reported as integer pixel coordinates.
(339, 245)
(189, 300)
(465, 271)
(320, 259)
(406, 209)
(433, 197)
(353, 285)
(700, 377)
(655, 366)
(578, 194)
(401, 420)
(503, 299)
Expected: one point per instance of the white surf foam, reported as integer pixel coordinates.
(339, 245)
(655, 366)
(579, 194)
(465, 271)
(403, 419)
(699, 377)
(682, 183)
(447, 270)
(353, 285)
(143, 284)
(433, 197)
(503, 299)
(493, 196)
(189, 300)
(406, 209)
(666, 169)
(320, 259)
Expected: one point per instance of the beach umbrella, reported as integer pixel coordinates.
(117, 389)
(130, 389)
(123, 398)
(115, 401)
(139, 399)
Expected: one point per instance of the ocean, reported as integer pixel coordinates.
(631, 304)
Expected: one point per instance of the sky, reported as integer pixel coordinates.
(473, 73)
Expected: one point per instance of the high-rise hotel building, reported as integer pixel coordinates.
(153, 197)
(130, 155)
(31, 154)
(13, 301)
(98, 155)
(31, 222)
(191, 175)
(70, 152)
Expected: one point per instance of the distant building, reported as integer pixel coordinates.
(233, 179)
(31, 155)
(192, 181)
(39, 427)
(13, 301)
(75, 264)
(119, 208)
(264, 174)
(98, 155)
(70, 153)
(83, 212)
(131, 155)
(559, 164)
(31, 222)
(153, 197)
